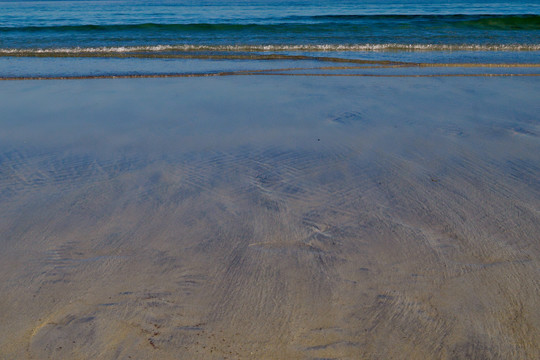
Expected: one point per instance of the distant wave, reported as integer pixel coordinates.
(312, 23)
(518, 17)
(169, 50)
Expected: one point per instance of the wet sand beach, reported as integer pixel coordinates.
(270, 217)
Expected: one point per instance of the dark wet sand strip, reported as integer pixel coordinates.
(270, 72)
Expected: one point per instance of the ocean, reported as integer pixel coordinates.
(86, 38)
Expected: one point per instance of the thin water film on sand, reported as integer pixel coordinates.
(210, 218)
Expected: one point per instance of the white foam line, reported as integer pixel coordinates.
(271, 48)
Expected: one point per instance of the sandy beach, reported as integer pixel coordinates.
(270, 217)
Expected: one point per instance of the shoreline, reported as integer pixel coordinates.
(381, 68)
(247, 73)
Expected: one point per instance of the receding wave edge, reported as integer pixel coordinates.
(156, 49)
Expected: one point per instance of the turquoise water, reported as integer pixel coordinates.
(435, 31)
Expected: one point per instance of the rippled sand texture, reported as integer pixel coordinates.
(270, 218)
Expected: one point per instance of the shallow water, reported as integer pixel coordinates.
(270, 217)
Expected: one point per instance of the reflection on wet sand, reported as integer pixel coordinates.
(337, 218)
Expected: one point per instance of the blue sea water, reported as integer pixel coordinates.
(397, 30)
